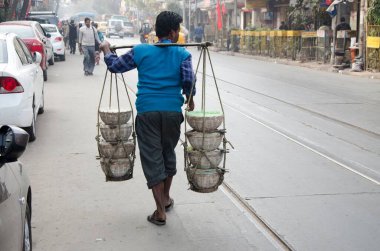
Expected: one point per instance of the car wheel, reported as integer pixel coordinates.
(51, 61)
(31, 130)
(62, 57)
(45, 74)
(27, 240)
(41, 110)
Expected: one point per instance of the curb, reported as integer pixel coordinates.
(309, 65)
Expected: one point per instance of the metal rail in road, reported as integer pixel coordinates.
(276, 239)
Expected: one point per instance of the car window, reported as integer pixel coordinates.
(3, 52)
(50, 29)
(20, 52)
(112, 23)
(40, 30)
(26, 51)
(20, 30)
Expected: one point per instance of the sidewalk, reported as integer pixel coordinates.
(311, 65)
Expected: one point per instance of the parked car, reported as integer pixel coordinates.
(21, 84)
(15, 192)
(115, 28)
(43, 17)
(34, 37)
(49, 50)
(57, 41)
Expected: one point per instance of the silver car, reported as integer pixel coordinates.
(15, 192)
(115, 28)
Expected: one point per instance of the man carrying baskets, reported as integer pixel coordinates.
(163, 73)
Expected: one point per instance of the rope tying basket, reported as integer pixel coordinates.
(205, 157)
(117, 152)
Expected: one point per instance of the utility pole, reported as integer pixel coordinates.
(184, 12)
(235, 14)
(188, 35)
(362, 34)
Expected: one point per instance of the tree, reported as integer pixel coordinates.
(175, 7)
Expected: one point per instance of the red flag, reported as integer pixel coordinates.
(224, 11)
(219, 16)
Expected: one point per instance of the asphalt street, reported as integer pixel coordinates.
(306, 162)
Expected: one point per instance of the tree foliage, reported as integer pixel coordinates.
(175, 7)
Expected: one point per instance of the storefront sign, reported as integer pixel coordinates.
(254, 4)
(307, 34)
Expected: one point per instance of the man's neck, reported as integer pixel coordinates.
(164, 39)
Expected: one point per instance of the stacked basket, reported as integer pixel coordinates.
(204, 156)
(116, 150)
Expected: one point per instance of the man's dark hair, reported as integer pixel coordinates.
(342, 19)
(166, 22)
(87, 19)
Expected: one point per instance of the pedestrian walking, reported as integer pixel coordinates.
(283, 26)
(199, 34)
(88, 40)
(97, 50)
(163, 73)
(78, 28)
(343, 25)
(65, 33)
(73, 36)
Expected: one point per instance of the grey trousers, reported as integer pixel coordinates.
(157, 135)
(89, 58)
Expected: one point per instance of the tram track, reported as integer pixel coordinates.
(275, 239)
(302, 143)
(240, 202)
(317, 114)
(248, 210)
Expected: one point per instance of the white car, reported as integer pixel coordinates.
(49, 50)
(15, 191)
(21, 84)
(56, 40)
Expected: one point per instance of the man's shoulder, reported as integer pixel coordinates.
(142, 46)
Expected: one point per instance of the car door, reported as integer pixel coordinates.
(34, 68)
(45, 40)
(11, 227)
(28, 73)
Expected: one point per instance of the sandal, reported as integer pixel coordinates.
(170, 206)
(156, 221)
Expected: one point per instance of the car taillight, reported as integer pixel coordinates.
(37, 47)
(10, 85)
(58, 39)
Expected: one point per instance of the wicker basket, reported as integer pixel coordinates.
(205, 160)
(116, 168)
(204, 180)
(112, 133)
(204, 141)
(115, 150)
(114, 117)
(210, 121)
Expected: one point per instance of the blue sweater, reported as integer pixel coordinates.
(159, 86)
